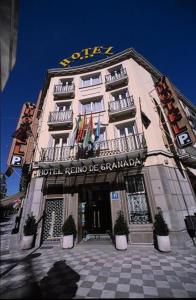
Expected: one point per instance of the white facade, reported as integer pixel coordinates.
(128, 80)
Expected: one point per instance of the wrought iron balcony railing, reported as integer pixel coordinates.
(116, 76)
(64, 89)
(131, 143)
(121, 105)
(58, 117)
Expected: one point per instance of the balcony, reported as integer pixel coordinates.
(116, 80)
(60, 119)
(188, 156)
(64, 91)
(121, 107)
(130, 146)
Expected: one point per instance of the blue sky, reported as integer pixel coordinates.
(162, 31)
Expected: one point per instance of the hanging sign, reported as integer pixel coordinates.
(21, 135)
(176, 116)
(86, 53)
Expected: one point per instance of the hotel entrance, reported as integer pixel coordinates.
(94, 210)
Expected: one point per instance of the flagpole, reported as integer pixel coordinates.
(141, 115)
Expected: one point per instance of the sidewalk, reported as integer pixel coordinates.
(98, 270)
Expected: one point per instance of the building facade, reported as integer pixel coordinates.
(106, 142)
(3, 186)
(9, 11)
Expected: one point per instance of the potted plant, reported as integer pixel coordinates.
(162, 232)
(29, 231)
(121, 231)
(69, 233)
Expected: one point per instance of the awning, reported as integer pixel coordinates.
(12, 198)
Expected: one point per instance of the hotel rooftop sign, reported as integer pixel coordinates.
(86, 53)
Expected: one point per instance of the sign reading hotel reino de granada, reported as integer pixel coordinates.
(77, 170)
(87, 53)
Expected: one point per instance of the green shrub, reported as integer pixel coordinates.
(69, 227)
(30, 226)
(121, 227)
(160, 226)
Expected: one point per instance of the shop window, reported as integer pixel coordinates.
(137, 201)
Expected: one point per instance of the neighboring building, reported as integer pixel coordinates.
(133, 161)
(3, 188)
(9, 10)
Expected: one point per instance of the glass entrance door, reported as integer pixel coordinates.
(95, 210)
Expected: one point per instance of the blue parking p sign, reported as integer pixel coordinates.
(184, 139)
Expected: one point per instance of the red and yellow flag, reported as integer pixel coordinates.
(80, 135)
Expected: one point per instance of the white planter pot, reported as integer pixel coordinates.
(27, 242)
(164, 243)
(121, 242)
(67, 241)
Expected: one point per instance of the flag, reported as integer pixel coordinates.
(9, 171)
(97, 133)
(145, 120)
(73, 134)
(82, 124)
(89, 133)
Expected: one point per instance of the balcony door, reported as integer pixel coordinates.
(63, 112)
(127, 137)
(121, 99)
(63, 107)
(59, 146)
(116, 72)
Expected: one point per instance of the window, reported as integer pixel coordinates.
(60, 141)
(116, 72)
(91, 80)
(66, 81)
(128, 138)
(57, 148)
(124, 130)
(64, 85)
(63, 106)
(123, 94)
(138, 209)
(95, 105)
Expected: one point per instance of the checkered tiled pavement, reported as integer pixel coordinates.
(97, 270)
(5, 232)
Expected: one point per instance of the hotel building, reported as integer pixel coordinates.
(136, 163)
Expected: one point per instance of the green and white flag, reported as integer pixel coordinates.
(89, 136)
(73, 134)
